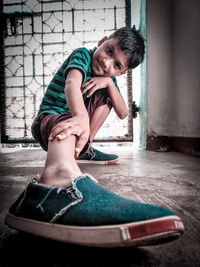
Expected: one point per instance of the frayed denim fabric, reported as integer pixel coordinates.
(85, 203)
(96, 155)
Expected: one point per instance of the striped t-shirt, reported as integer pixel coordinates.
(54, 100)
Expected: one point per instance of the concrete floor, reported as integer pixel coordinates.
(169, 179)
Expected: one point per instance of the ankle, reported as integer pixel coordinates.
(58, 176)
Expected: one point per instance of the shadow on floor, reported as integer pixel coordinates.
(20, 249)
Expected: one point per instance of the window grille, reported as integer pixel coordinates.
(37, 36)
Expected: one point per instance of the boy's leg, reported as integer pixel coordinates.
(99, 107)
(60, 167)
(99, 116)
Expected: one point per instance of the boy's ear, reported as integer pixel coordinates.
(121, 73)
(102, 40)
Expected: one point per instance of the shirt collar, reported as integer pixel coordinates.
(92, 53)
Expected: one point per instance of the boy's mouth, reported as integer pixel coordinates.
(97, 67)
(100, 66)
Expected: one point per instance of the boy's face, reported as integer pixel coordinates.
(109, 60)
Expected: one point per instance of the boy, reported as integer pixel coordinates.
(65, 204)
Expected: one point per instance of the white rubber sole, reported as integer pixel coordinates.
(151, 232)
(99, 162)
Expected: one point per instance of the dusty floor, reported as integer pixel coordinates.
(169, 179)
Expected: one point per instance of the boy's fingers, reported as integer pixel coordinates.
(60, 136)
(75, 130)
(63, 135)
(91, 92)
(80, 145)
(86, 83)
(58, 129)
(88, 87)
(54, 132)
(77, 152)
(83, 91)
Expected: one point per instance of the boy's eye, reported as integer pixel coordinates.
(109, 50)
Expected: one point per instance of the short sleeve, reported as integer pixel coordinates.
(115, 82)
(79, 59)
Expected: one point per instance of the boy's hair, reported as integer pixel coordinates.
(131, 43)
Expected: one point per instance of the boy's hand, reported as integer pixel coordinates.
(78, 126)
(94, 84)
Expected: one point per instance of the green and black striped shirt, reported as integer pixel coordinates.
(54, 100)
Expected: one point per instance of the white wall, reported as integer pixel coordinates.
(173, 68)
(186, 65)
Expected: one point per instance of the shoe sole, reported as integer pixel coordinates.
(103, 162)
(145, 233)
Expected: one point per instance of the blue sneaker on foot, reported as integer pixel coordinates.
(97, 157)
(88, 214)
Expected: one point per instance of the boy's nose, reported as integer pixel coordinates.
(106, 63)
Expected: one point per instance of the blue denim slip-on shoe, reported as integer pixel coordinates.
(97, 157)
(88, 214)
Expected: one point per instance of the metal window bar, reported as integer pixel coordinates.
(36, 37)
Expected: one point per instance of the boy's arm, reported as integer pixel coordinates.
(74, 94)
(79, 123)
(117, 100)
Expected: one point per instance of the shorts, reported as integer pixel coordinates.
(42, 127)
